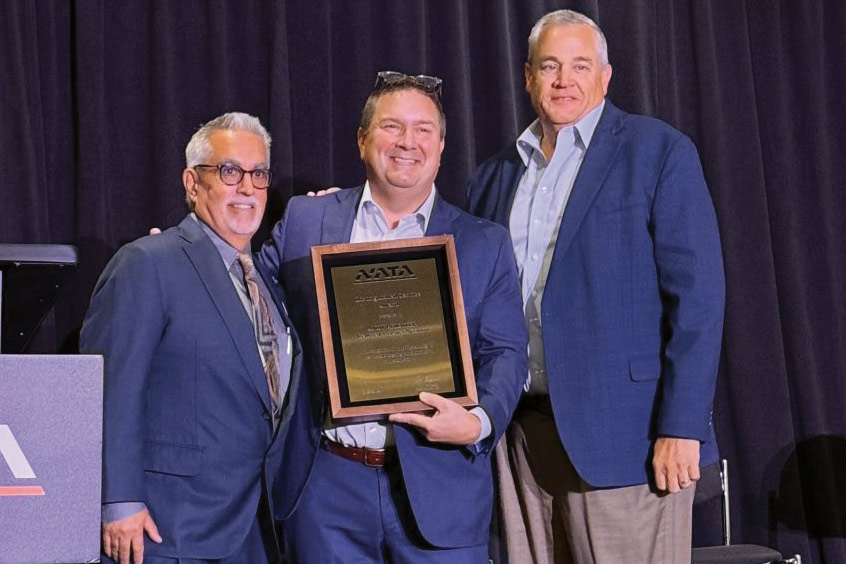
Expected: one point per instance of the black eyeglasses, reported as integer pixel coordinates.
(428, 83)
(232, 174)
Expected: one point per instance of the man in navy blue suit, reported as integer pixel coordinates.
(622, 281)
(417, 489)
(197, 369)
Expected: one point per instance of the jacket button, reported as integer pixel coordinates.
(265, 415)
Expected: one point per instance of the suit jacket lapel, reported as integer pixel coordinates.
(206, 260)
(440, 222)
(512, 170)
(278, 297)
(597, 162)
(338, 216)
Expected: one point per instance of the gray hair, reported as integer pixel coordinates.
(568, 18)
(199, 147)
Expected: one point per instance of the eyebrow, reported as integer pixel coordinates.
(555, 59)
(240, 164)
(398, 120)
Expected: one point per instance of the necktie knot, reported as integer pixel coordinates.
(246, 261)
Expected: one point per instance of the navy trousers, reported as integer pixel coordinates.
(354, 514)
(254, 550)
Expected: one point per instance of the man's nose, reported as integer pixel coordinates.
(246, 185)
(563, 77)
(407, 138)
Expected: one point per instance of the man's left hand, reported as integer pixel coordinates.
(676, 463)
(451, 423)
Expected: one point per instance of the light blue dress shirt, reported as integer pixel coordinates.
(536, 213)
(370, 225)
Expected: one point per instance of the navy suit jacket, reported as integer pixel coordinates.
(187, 427)
(633, 306)
(450, 488)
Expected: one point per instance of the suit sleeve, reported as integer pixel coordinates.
(124, 323)
(690, 277)
(270, 257)
(500, 345)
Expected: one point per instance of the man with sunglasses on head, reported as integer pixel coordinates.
(619, 254)
(199, 354)
(416, 488)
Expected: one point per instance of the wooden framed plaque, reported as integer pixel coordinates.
(393, 325)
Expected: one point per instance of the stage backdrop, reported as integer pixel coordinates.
(98, 99)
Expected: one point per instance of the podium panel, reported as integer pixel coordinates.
(51, 429)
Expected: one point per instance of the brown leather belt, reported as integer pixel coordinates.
(367, 456)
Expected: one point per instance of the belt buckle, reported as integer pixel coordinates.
(365, 451)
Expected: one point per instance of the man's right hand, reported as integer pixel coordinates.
(323, 192)
(126, 536)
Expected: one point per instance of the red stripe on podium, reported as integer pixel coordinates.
(21, 490)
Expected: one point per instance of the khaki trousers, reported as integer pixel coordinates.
(549, 515)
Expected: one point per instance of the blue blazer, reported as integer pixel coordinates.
(633, 307)
(450, 488)
(187, 426)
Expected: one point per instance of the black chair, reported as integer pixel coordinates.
(728, 553)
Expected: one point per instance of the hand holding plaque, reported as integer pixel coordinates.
(450, 423)
(392, 322)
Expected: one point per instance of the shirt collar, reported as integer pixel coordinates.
(529, 141)
(423, 213)
(227, 252)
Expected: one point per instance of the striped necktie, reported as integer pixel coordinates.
(266, 335)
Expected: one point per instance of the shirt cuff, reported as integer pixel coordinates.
(486, 425)
(121, 510)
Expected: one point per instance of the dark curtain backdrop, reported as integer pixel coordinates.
(98, 99)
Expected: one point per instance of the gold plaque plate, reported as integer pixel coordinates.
(392, 322)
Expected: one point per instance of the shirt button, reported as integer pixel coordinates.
(536, 222)
(543, 188)
(534, 257)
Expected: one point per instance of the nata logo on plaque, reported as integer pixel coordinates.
(382, 273)
(18, 464)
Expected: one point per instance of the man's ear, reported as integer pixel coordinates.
(360, 137)
(606, 78)
(189, 180)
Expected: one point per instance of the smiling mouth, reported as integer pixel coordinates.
(242, 206)
(403, 161)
